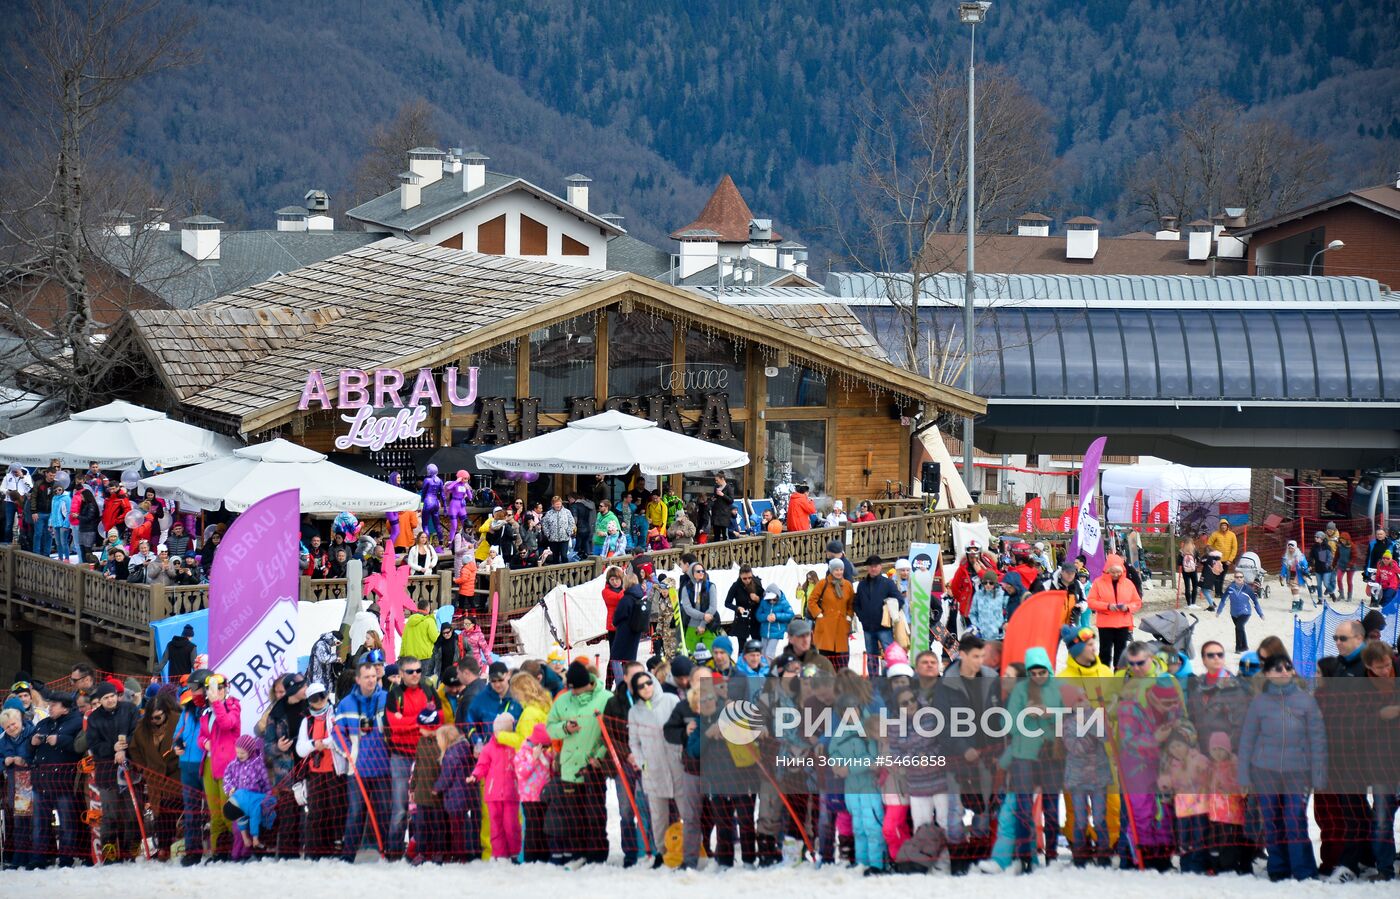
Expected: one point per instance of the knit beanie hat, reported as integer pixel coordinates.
(249, 744)
(1220, 740)
(504, 722)
(577, 676)
(1074, 638)
(724, 645)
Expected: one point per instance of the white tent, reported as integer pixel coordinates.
(255, 472)
(1173, 484)
(611, 443)
(117, 435)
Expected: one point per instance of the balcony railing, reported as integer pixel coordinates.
(79, 601)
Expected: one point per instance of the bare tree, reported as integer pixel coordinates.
(66, 74)
(415, 125)
(910, 184)
(1219, 156)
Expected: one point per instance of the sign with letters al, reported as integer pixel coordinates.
(253, 589)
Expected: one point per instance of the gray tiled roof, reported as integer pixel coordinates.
(155, 261)
(444, 198)
(628, 254)
(763, 275)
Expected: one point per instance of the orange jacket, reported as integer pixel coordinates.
(1104, 593)
(831, 632)
(408, 523)
(799, 512)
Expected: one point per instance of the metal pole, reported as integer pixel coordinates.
(969, 290)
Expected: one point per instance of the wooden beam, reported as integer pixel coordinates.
(600, 359)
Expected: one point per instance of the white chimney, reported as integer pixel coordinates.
(200, 237)
(1168, 230)
(1397, 180)
(1033, 224)
(473, 171)
(1199, 235)
(117, 223)
(410, 190)
(155, 220)
(318, 211)
(426, 163)
(1081, 238)
(291, 218)
(1227, 246)
(699, 251)
(452, 163)
(577, 193)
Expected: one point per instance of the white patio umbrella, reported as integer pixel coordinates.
(258, 471)
(611, 443)
(117, 435)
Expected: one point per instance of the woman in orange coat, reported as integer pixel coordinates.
(830, 604)
(1114, 599)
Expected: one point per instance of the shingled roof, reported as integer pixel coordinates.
(401, 304)
(827, 321)
(726, 214)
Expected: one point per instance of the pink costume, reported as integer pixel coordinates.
(390, 584)
(459, 493)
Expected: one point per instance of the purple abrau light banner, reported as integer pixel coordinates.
(1088, 538)
(253, 588)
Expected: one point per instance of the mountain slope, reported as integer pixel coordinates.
(657, 101)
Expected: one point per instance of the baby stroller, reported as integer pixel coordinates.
(1253, 571)
(1172, 628)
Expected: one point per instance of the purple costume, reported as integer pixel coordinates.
(432, 503)
(458, 493)
(393, 517)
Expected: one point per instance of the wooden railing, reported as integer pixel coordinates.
(889, 539)
(82, 602)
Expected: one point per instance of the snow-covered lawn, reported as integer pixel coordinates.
(400, 881)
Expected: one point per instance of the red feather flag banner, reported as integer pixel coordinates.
(1030, 517)
(1036, 623)
(1158, 515)
(1137, 509)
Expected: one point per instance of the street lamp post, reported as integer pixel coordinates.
(1334, 245)
(970, 13)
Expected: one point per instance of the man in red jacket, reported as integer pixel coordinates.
(800, 510)
(406, 699)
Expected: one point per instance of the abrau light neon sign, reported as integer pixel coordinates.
(363, 391)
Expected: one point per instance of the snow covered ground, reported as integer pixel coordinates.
(487, 878)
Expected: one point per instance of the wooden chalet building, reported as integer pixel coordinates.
(803, 384)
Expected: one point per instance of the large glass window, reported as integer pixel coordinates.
(1205, 357)
(1110, 368)
(640, 347)
(1297, 355)
(714, 364)
(1015, 352)
(1045, 353)
(1172, 367)
(1331, 356)
(801, 445)
(1268, 364)
(1365, 367)
(797, 386)
(1234, 355)
(1142, 371)
(1079, 353)
(496, 375)
(562, 363)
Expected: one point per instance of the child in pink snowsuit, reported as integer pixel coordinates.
(496, 772)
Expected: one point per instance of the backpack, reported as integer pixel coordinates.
(1188, 563)
(640, 618)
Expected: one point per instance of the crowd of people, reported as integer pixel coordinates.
(462, 756)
